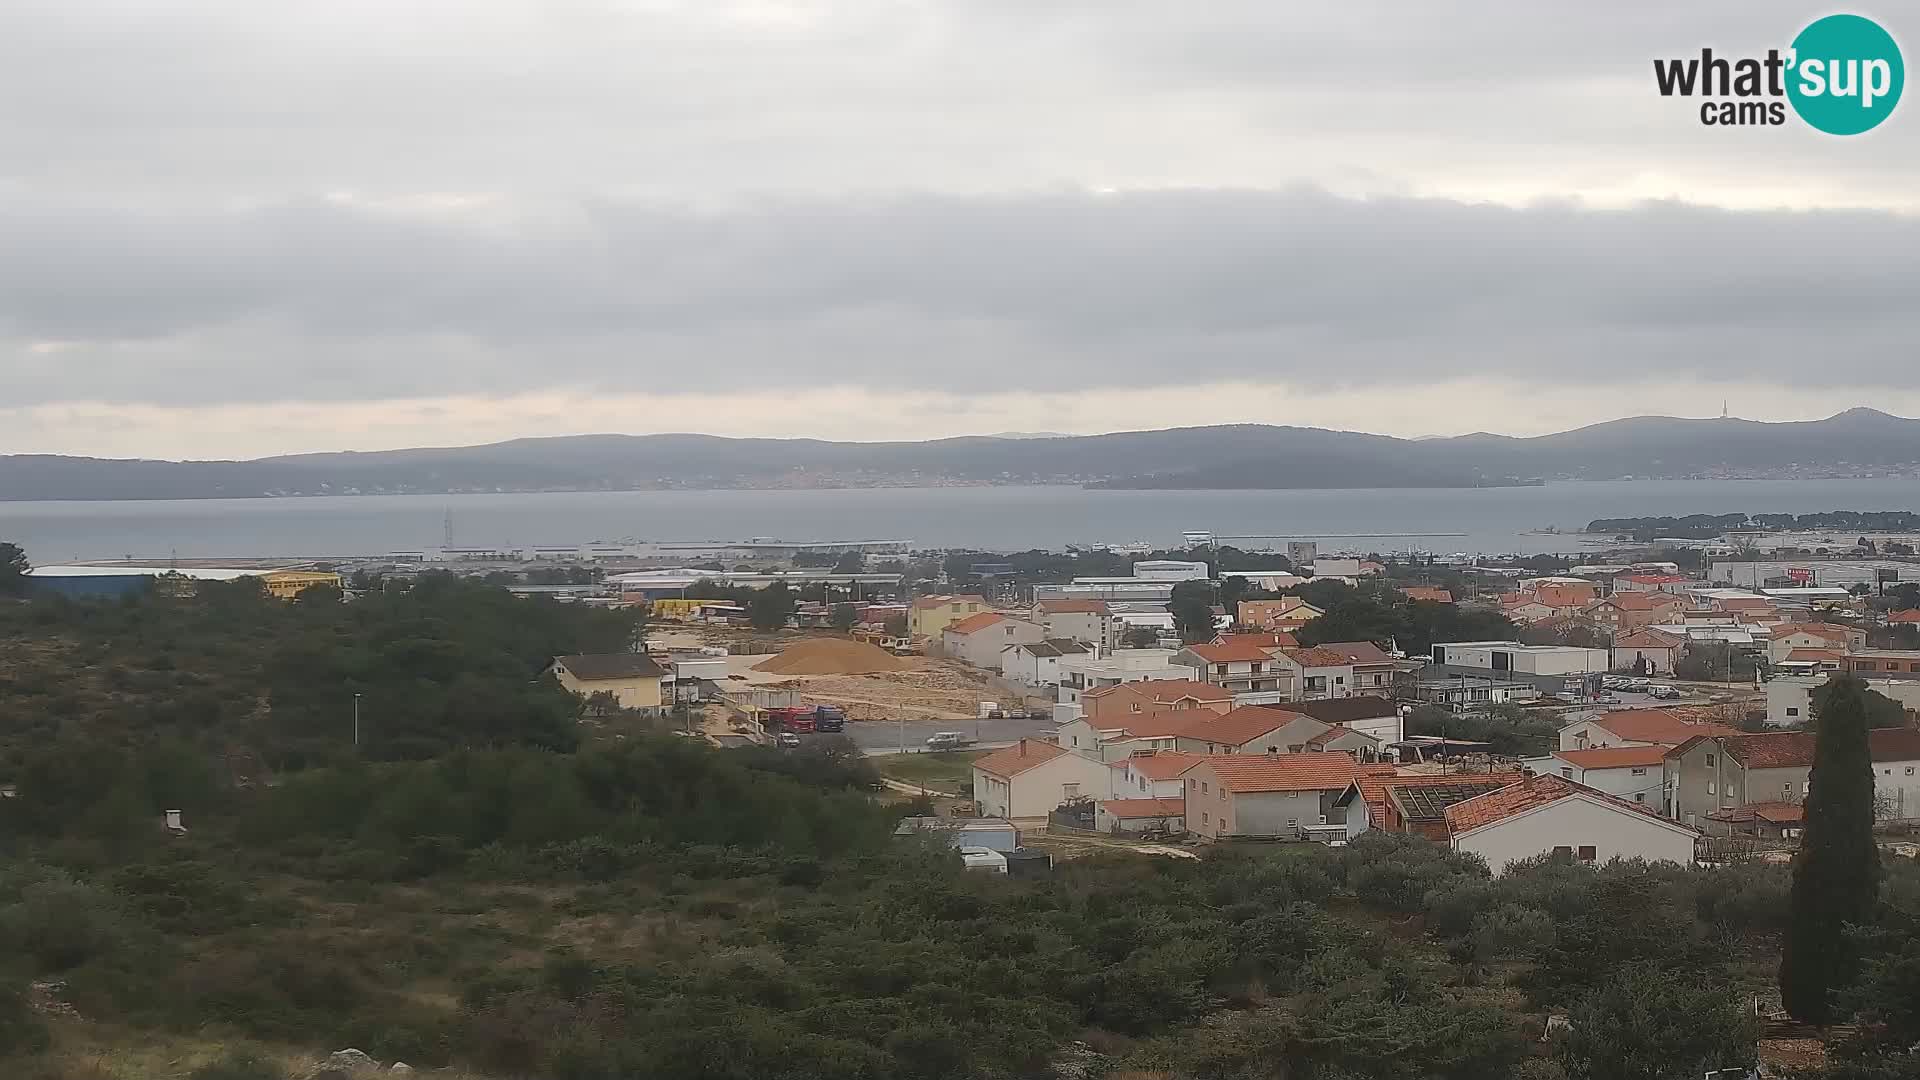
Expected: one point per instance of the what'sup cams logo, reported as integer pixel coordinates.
(1842, 75)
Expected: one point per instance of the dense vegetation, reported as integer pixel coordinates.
(444, 664)
(491, 896)
(1708, 525)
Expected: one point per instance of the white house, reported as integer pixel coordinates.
(1152, 774)
(1649, 650)
(1318, 672)
(1550, 814)
(1252, 729)
(1633, 773)
(1027, 780)
(1085, 672)
(978, 639)
(1511, 656)
(1037, 663)
(1170, 570)
(1089, 622)
(1896, 773)
(1372, 715)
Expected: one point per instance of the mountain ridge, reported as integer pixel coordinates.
(1226, 456)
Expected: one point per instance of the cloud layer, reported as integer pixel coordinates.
(408, 222)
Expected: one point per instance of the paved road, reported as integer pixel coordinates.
(884, 736)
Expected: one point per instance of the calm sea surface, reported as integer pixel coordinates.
(1487, 520)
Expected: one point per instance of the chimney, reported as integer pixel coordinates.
(173, 822)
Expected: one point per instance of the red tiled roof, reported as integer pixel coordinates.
(1776, 813)
(1894, 744)
(1657, 579)
(1266, 639)
(1828, 631)
(1252, 773)
(1614, 757)
(1317, 656)
(1815, 655)
(1329, 735)
(1160, 764)
(1154, 724)
(1013, 760)
(1242, 725)
(1074, 607)
(1898, 617)
(1426, 592)
(1131, 809)
(1529, 794)
(1640, 601)
(1230, 651)
(1164, 690)
(1656, 726)
(973, 623)
(1357, 652)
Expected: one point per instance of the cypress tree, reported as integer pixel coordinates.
(1836, 872)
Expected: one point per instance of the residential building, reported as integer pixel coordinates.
(1634, 773)
(1624, 613)
(1337, 568)
(1812, 660)
(1115, 738)
(1786, 637)
(1642, 582)
(1910, 617)
(1251, 729)
(1037, 663)
(1373, 671)
(1028, 780)
(1550, 814)
(1526, 611)
(1710, 774)
(1562, 593)
(1141, 815)
(1648, 650)
(1151, 774)
(1261, 795)
(1319, 672)
(633, 679)
(1154, 695)
(1511, 656)
(1287, 613)
(1087, 672)
(1239, 667)
(930, 615)
(977, 639)
(1089, 622)
(1428, 593)
(1882, 663)
(1382, 798)
(1635, 727)
(1376, 717)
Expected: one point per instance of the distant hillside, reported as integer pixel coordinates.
(1246, 456)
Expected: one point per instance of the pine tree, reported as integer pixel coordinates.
(1836, 873)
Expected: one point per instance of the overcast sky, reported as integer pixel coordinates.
(243, 228)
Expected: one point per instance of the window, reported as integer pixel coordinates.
(1909, 770)
(1640, 796)
(1193, 785)
(1793, 712)
(1567, 772)
(1710, 788)
(1223, 794)
(1637, 772)
(1293, 823)
(1323, 819)
(1340, 680)
(1203, 817)
(1204, 789)
(1563, 850)
(1587, 853)
(1709, 759)
(1071, 791)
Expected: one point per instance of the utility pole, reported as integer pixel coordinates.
(356, 721)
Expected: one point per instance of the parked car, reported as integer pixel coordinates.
(788, 738)
(1663, 691)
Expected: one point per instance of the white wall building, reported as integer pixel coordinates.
(1550, 814)
(1522, 659)
(1170, 570)
(1633, 773)
(1029, 779)
(1037, 663)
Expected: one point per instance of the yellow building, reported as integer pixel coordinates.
(932, 614)
(287, 584)
(632, 678)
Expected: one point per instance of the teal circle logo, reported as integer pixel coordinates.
(1846, 75)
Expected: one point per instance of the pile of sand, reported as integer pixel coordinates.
(830, 656)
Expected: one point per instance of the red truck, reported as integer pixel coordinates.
(806, 719)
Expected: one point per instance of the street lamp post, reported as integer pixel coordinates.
(356, 721)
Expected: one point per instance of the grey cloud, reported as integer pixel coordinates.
(1042, 292)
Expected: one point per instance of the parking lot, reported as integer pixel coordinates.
(884, 737)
